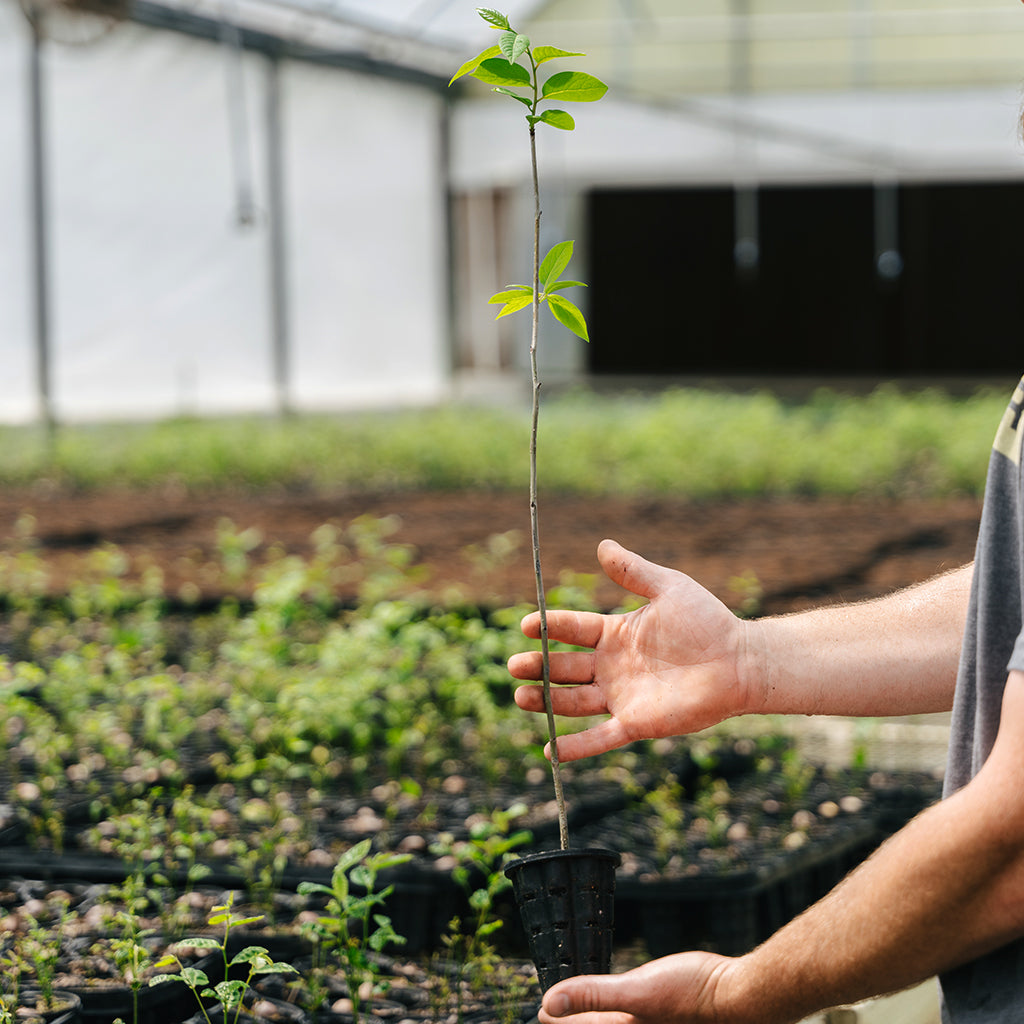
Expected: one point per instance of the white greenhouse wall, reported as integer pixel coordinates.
(15, 281)
(160, 300)
(368, 242)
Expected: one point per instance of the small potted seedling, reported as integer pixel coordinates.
(230, 993)
(565, 897)
(39, 955)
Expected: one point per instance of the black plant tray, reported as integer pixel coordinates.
(424, 899)
(732, 912)
(159, 1004)
(713, 902)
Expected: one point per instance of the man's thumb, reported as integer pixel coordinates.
(583, 995)
(631, 571)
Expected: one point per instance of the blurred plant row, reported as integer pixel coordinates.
(278, 732)
(687, 442)
(103, 947)
(291, 747)
(114, 688)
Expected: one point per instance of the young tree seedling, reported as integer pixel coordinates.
(230, 992)
(512, 67)
(350, 927)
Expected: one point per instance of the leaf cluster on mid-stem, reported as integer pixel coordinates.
(512, 68)
(519, 296)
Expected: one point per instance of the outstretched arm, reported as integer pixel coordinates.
(684, 661)
(946, 889)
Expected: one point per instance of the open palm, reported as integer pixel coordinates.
(673, 666)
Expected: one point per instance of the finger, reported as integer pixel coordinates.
(590, 999)
(581, 629)
(636, 574)
(597, 1017)
(565, 666)
(571, 702)
(598, 739)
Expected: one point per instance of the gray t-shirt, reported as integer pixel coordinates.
(990, 990)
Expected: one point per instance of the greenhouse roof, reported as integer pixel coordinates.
(425, 35)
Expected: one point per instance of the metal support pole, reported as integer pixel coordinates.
(888, 258)
(278, 247)
(238, 119)
(37, 199)
(746, 219)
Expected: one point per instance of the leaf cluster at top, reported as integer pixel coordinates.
(500, 66)
(511, 67)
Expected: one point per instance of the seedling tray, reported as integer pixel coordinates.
(733, 912)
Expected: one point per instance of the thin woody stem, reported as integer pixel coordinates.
(563, 823)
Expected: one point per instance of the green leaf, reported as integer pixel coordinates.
(508, 92)
(193, 977)
(558, 119)
(353, 855)
(201, 943)
(510, 294)
(554, 263)
(542, 54)
(159, 979)
(498, 71)
(472, 65)
(230, 992)
(251, 954)
(560, 286)
(514, 305)
(574, 87)
(276, 968)
(513, 45)
(362, 875)
(495, 18)
(569, 316)
(360, 908)
(309, 888)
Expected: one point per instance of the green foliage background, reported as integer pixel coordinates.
(684, 442)
(114, 685)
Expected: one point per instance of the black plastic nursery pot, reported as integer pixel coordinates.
(566, 900)
(65, 1008)
(262, 1011)
(157, 1004)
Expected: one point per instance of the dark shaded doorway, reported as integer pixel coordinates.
(666, 297)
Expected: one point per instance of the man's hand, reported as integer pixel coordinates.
(674, 666)
(680, 989)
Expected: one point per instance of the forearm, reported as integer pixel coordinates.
(891, 656)
(920, 906)
(945, 890)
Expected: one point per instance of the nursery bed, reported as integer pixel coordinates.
(799, 551)
(716, 861)
(269, 722)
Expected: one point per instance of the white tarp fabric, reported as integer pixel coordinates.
(160, 299)
(934, 135)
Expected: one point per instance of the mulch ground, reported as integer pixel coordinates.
(800, 552)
